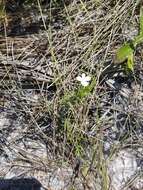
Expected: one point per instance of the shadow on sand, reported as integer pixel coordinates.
(20, 184)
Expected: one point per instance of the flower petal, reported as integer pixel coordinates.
(88, 78)
(84, 83)
(79, 78)
(83, 75)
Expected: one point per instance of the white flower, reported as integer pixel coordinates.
(84, 79)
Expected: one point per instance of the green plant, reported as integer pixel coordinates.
(70, 101)
(126, 52)
(77, 96)
(2, 10)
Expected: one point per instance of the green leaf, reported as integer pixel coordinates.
(130, 63)
(123, 53)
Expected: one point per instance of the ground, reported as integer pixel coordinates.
(51, 127)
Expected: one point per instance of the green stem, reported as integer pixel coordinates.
(137, 40)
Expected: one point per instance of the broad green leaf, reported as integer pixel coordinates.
(123, 53)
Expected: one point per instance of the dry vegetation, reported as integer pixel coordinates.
(43, 48)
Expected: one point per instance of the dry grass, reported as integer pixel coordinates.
(73, 38)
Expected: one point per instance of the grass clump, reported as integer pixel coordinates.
(82, 122)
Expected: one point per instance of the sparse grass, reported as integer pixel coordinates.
(75, 122)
